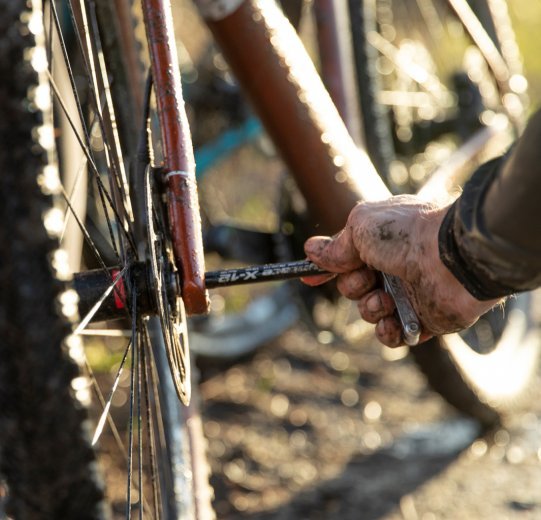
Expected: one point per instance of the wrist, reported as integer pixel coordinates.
(467, 248)
(456, 300)
(464, 297)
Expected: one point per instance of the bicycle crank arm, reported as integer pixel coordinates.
(411, 328)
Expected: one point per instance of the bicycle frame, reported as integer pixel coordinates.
(270, 62)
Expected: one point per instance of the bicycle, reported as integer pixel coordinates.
(139, 258)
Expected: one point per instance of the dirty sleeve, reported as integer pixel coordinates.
(490, 238)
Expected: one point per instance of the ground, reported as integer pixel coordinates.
(328, 431)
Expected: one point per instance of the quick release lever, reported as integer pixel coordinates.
(411, 327)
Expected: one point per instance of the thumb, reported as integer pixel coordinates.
(336, 255)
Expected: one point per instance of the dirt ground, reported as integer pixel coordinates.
(303, 430)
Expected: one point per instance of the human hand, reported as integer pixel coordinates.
(397, 236)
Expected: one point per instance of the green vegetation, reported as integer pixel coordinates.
(526, 16)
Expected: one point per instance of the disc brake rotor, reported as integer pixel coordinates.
(167, 300)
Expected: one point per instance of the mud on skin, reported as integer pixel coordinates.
(397, 236)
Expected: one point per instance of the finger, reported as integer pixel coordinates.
(317, 279)
(337, 254)
(389, 331)
(376, 305)
(356, 284)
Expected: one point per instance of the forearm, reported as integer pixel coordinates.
(491, 237)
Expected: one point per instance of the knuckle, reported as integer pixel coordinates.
(353, 285)
(356, 213)
(366, 314)
(344, 286)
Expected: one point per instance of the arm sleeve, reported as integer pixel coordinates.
(490, 238)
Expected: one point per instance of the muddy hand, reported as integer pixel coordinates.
(398, 236)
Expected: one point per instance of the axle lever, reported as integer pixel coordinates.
(411, 327)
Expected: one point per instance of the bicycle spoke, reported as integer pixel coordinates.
(85, 147)
(139, 426)
(432, 19)
(480, 36)
(84, 231)
(92, 74)
(110, 333)
(101, 188)
(93, 168)
(93, 81)
(119, 169)
(97, 391)
(107, 405)
(101, 399)
(132, 406)
(416, 72)
(69, 69)
(151, 445)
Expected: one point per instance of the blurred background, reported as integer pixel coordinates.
(315, 424)
(312, 426)
(526, 16)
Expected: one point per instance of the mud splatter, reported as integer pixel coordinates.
(385, 230)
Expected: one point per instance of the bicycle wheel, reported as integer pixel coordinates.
(43, 424)
(429, 88)
(47, 466)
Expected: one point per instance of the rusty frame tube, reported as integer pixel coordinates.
(276, 72)
(335, 47)
(179, 165)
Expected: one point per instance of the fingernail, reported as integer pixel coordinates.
(373, 303)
